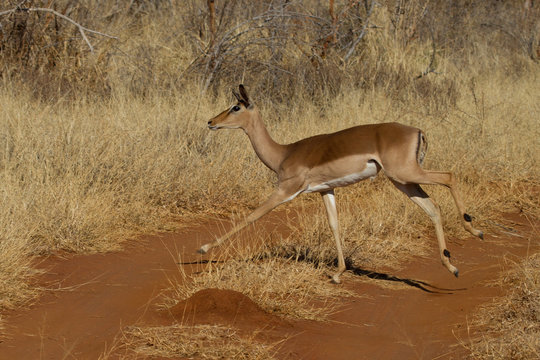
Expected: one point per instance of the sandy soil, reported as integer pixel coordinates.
(419, 312)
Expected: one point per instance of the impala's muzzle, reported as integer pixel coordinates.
(211, 126)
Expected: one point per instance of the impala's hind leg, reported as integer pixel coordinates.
(419, 197)
(447, 179)
(416, 175)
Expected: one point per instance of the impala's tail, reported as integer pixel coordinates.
(421, 148)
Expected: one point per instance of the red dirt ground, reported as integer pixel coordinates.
(93, 297)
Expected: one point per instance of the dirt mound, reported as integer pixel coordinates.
(222, 306)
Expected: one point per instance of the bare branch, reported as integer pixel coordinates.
(362, 33)
(212, 22)
(81, 28)
(430, 68)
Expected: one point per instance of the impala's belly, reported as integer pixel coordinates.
(369, 171)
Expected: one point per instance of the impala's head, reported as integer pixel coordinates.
(237, 116)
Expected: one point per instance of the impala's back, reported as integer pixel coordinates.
(350, 155)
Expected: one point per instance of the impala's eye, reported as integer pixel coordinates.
(236, 108)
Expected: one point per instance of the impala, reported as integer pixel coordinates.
(324, 162)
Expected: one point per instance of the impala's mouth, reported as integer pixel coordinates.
(211, 125)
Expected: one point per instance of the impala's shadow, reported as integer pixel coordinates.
(419, 284)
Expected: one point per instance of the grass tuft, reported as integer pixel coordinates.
(200, 341)
(511, 324)
(288, 288)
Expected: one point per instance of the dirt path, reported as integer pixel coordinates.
(395, 317)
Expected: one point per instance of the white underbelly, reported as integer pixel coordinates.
(369, 172)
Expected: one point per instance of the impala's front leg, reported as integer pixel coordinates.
(278, 197)
(331, 211)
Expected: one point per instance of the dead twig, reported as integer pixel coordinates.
(430, 68)
(362, 32)
(83, 30)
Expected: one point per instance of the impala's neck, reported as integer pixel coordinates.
(270, 152)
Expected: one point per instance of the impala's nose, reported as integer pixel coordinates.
(211, 126)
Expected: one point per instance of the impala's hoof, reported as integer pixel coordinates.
(454, 270)
(335, 279)
(481, 235)
(204, 249)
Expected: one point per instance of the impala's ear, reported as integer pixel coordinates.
(244, 95)
(237, 96)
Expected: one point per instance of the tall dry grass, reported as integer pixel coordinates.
(511, 325)
(97, 147)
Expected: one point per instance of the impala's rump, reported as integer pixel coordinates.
(421, 150)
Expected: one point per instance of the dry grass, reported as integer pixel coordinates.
(288, 288)
(197, 341)
(511, 325)
(189, 341)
